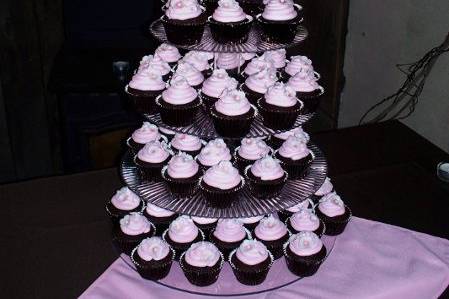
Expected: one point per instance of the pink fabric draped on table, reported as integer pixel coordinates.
(369, 260)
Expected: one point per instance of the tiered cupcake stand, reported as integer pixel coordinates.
(246, 205)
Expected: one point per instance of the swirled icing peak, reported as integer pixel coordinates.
(277, 57)
(297, 132)
(326, 188)
(156, 211)
(228, 61)
(202, 254)
(281, 95)
(303, 82)
(257, 64)
(305, 244)
(183, 230)
(267, 169)
(279, 10)
(179, 92)
(253, 149)
(193, 76)
(153, 248)
(252, 252)
(186, 142)
(230, 230)
(331, 205)
(294, 148)
(135, 224)
(168, 53)
(232, 103)
(223, 176)
(124, 199)
(182, 166)
(304, 220)
(154, 64)
(214, 152)
(299, 64)
(215, 85)
(198, 59)
(146, 81)
(154, 152)
(261, 81)
(146, 133)
(270, 229)
(228, 11)
(183, 9)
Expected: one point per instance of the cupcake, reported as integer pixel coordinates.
(188, 144)
(169, 134)
(200, 60)
(285, 214)
(151, 159)
(256, 85)
(221, 184)
(181, 234)
(251, 262)
(215, 85)
(122, 203)
(250, 150)
(279, 107)
(179, 103)
(266, 178)
(280, 16)
(153, 258)
(256, 65)
(251, 7)
(208, 56)
(334, 213)
(232, 114)
(133, 228)
(202, 263)
(299, 64)
(277, 57)
(229, 23)
(143, 89)
(276, 140)
(184, 22)
(228, 235)
(325, 189)
(161, 218)
(214, 152)
(304, 253)
(250, 223)
(182, 175)
(168, 53)
(229, 62)
(305, 221)
(295, 157)
(273, 234)
(307, 90)
(193, 76)
(146, 133)
(207, 225)
(246, 57)
(154, 64)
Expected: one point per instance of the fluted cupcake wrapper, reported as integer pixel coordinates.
(153, 271)
(201, 276)
(233, 126)
(271, 30)
(296, 169)
(183, 188)
(265, 189)
(279, 118)
(221, 198)
(178, 115)
(334, 226)
(254, 277)
(144, 101)
(303, 266)
(187, 32)
(233, 32)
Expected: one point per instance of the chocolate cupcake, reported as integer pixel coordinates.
(181, 234)
(256, 85)
(295, 157)
(200, 60)
(207, 225)
(250, 223)
(151, 159)
(256, 65)
(145, 134)
(273, 234)
(193, 76)
(133, 228)
(299, 64)
(231, 62)
(276, 140)
(214, 152)
(155, 64)
(228, 235)
(304, 253)
(278, 58)
(229, 24)
(305, 221)
(251, 262)
(168, 53)
(280, 16)
(122, 203)
(143, 89)
(214, 86)
(201, 264)
(285, 214)
(334, 213)
(307, 90)
(188, 144)
(232, 114)
(325, 189)
(184, 22)
(153, 258)
(182, 175)
(221, 184)
(161, 218)
(266, 178)
(249, 151)
(179, 103)
(279, 107)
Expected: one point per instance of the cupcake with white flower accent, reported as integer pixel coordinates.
(276, 140)
(153, 258)
(181, 234)
(299, 64)
(277, 57)
(229, 23)
(152, 158)
(154, 64)
(229, 62)
(189, 72)
(215, 151)
(215, 86)
(160, 217)
(256, 65)
(249, 151)
(186, 143)
(146, 133)
(122, 203)
(304, 253)
(168, 53)
(182, 175)
(307, 89)
(266, 178)
(133, 228)
(232, 114)
(295, 157)
(334, 213)
(200, 60)
(144, 88)
(256, 85)
(305, 221)
(285, 214)
(228, 234)
(273, 234)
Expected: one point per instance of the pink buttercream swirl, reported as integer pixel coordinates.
(179, 92)
(257, 64)
(267, 169)
(294, 148)
(247, 56)
(147, 81)
(156, 211)
(182, 166)
(301, 206)
(124, 199)
(331, 205)
(261, 81)
(232, 103)
(277, 57)
(135, 224)
(203, 220)
(270, 229)
(228, 11)
(326, 188)
(199, 60)
(214, 152)
(193, 76)
(230, 230)
(251, 220)
(299, 64)
(185, 142)
(154, 152)
(215, 85)
(305, 220)
(153, 248)
(252, 252)
(168, 53)
(298, 132)
(223, 176)
(202, 254)
(183, 9)
(279, 10)
(146, 133)
(303, 82)
(228, 61)
(183, 230)
(154, 64)
(281, 95)
(305, 244)
(253, 149)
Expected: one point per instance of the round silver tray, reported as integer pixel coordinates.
(246, 205)
(254, 43)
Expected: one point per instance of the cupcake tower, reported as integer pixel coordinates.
(223, 132)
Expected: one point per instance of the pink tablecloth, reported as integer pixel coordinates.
(369, 260)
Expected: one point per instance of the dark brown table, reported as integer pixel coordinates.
(55, 237)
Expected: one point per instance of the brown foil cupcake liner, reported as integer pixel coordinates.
(178, 115)
(278, 118)
(334, 227)
(221, 198)
(182, 188)
(255, 277)
(271, 29)
(207, 101)
(153, 271)
(232, 33)
(251, 95)
(297, 169)
(151, 172)
(265, 189)
(233, 126)
(187, 32)
(145, 102)
(303, 266)
(201, 276)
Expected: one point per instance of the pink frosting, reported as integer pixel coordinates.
(267, 169)
(193, 76)
(183, 230)
(223, 176)
(154, 64)
(203, 220)
(214, 152)
(168, 53)
(183, 9)
(232, 103)
(305, 244)
(277, 57)
(228, 11)
(251, 220)
(326, 188)
(153, 248)
(294, 148)
(228, 61)
(281, 95)
(331, 205)
(247, 56)
(179, 92)
(202, 254)
(298, 132)
(147, 81)
(199, 60)
(301, 206)
(304, 220)
(166, 131)
(299, 64)
(303, 82)
(146, 133)
(230, 230)
(154, 152)
(156, 211)
(185, 142)
(253, 149)
(270, 229)
(261, 81)
(204, 54)
(252, 252)
(215, 85)
(257, 64)
(182, 166)
(126, 200)
(135, 224)
(279, 10)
